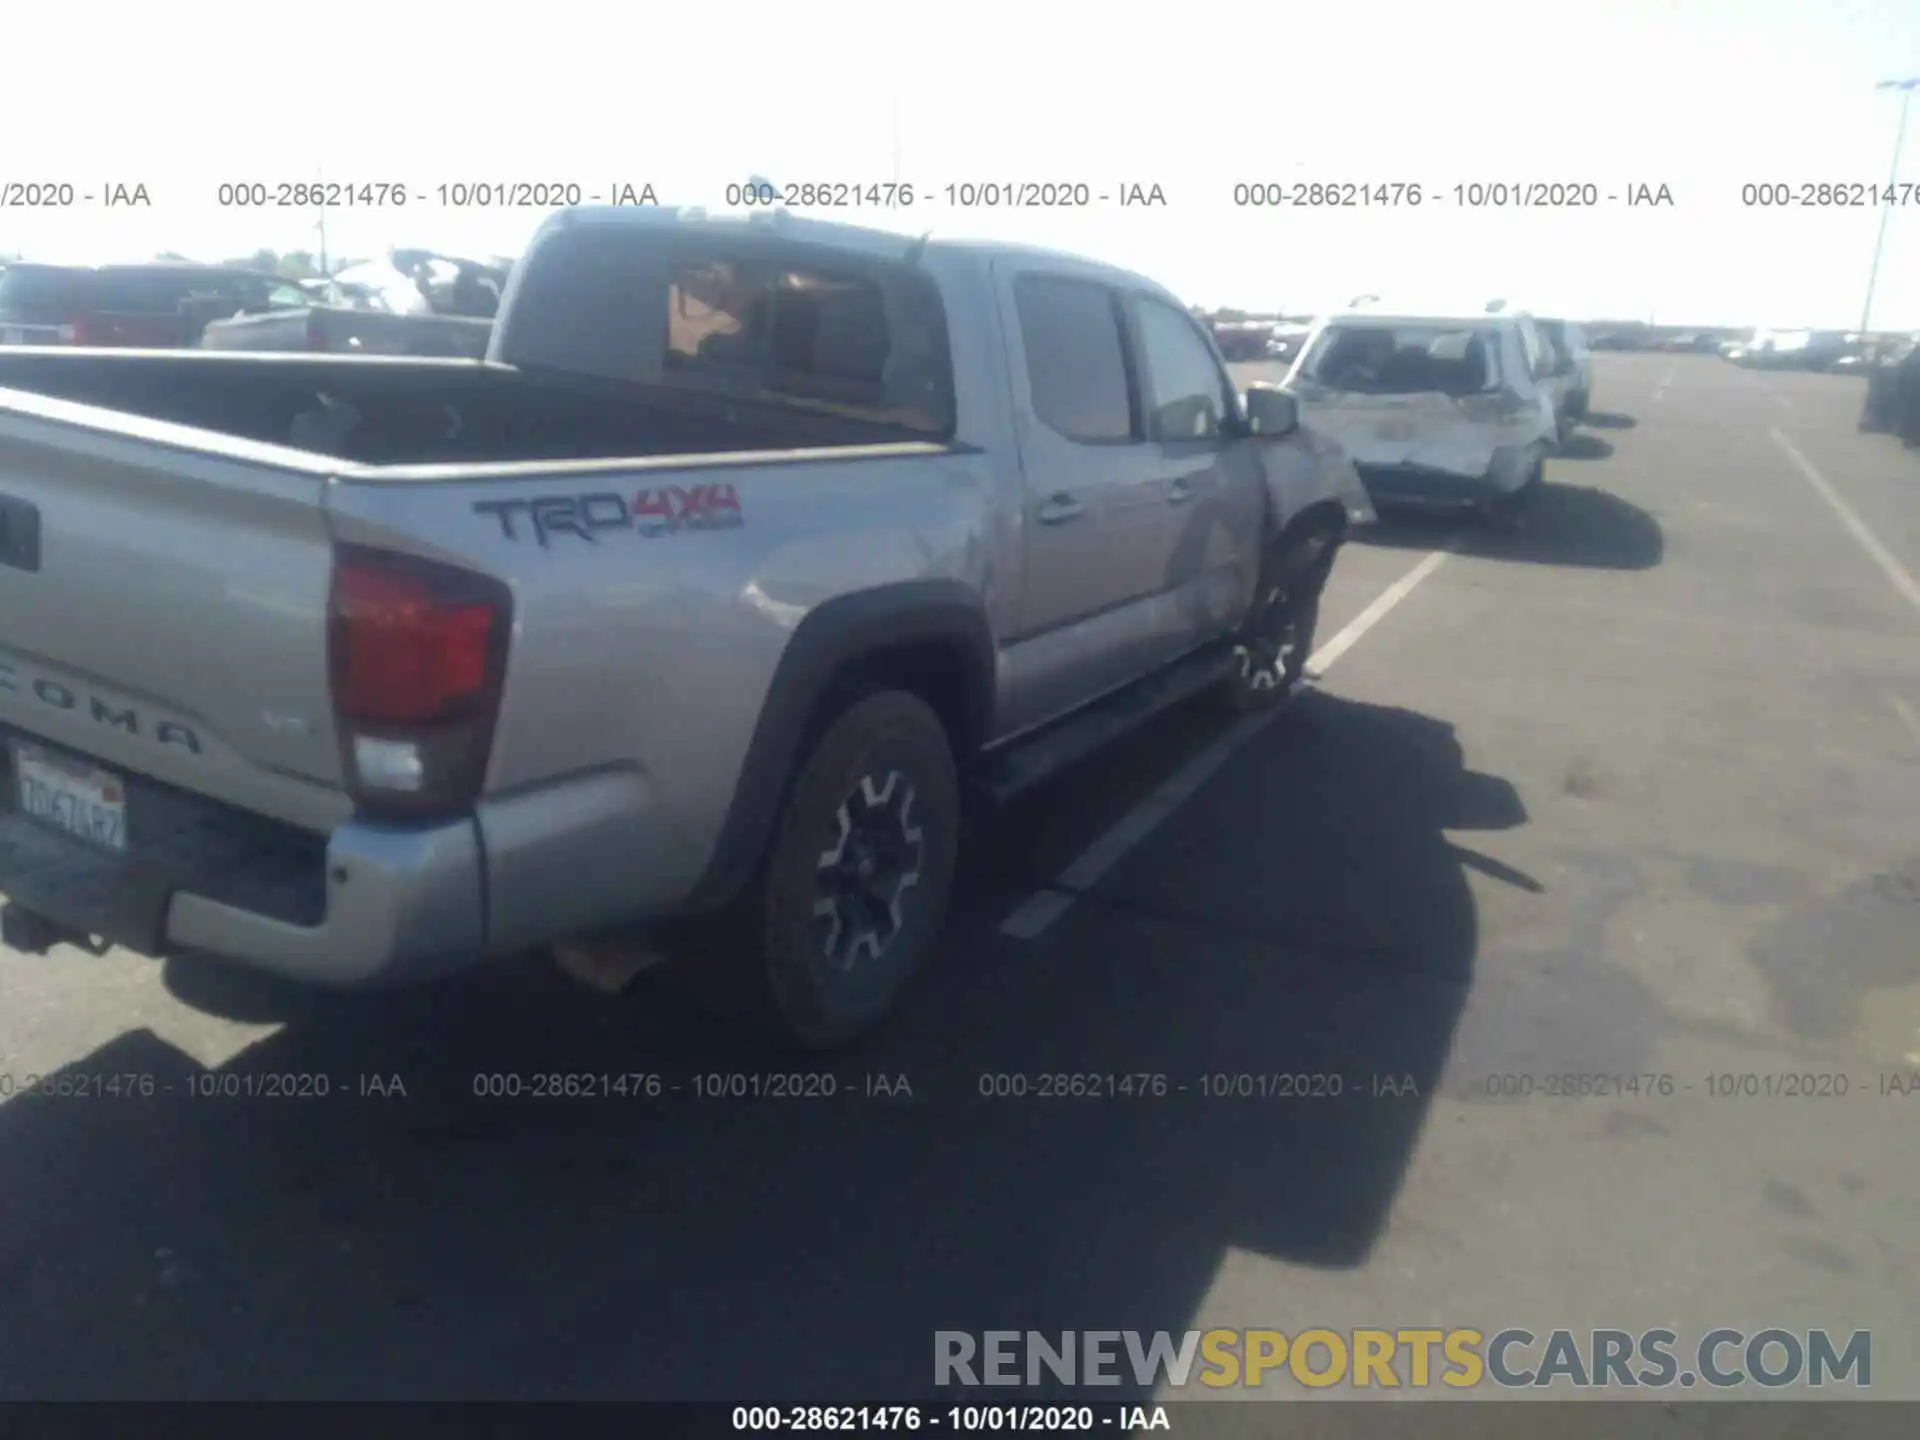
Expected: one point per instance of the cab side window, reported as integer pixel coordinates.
(1187, 397)
(1076, 361)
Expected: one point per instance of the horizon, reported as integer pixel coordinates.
(1645, 98)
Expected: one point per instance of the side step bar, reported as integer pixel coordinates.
(1029, 761)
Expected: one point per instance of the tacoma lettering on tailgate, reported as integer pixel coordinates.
(657, 511)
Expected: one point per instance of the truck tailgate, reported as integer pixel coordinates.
(1432, 431)
(163, 606)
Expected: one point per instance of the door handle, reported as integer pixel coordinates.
(1180, 492)
(1059, 509)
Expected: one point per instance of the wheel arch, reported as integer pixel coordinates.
(929, 637)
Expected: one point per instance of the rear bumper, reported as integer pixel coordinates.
(1419, 487)
(367, 906)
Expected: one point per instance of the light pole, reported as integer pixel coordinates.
(1906, 88)
(893, 196)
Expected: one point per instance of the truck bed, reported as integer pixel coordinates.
(408, 411)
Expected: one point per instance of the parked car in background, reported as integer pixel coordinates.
(1450, 411)
(1285, 341)
(348, 294)
(752, 542)
(162, 305)
(1888, 366)
(1618, 339)
(360, 329)
(1827, 348)
(414, 303)
(1242, 339)
(1855, 354)
(1775, 349)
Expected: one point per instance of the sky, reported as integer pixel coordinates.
(1700, 96)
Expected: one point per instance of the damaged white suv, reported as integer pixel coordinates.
(1436, 411)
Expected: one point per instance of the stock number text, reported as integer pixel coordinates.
(1334, 194)
(304, 194)
(1828, 194)
(826, 195)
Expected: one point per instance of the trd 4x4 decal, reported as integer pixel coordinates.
(656, 511)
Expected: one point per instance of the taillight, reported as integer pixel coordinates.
(417, 654)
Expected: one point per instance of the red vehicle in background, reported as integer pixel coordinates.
(162, 305)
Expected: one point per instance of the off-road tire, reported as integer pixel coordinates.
(1273, 646)
(874, 805)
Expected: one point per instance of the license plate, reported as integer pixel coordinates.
(86, 803)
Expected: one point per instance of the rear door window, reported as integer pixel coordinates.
(1403, 359)
(1076, 361)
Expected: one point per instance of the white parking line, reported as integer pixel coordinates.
(1321, 659)
(1040, 910)
(1665, 380)
(1855, 526)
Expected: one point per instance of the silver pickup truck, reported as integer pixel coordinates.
(752, 549)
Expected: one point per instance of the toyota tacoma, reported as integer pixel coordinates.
(752, 548)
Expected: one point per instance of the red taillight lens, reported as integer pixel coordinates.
(405, 654)
(418, 655)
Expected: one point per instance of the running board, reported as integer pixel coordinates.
(1030, 761)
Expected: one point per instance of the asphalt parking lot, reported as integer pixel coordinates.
(1634, 793)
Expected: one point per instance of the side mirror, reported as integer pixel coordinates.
(1271, 411)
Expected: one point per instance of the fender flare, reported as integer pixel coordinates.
(1325, 514)
(828, 646)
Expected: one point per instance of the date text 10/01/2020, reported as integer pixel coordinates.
(1718, 1085)
(1468, 195)
(205, 1085)
(965, 194)
(1214, 1085)
(1059, 1419)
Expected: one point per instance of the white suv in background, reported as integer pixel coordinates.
(1435, 410)
(1574, 365)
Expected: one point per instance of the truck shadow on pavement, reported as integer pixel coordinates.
(1306, 915)
(1573, 525)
